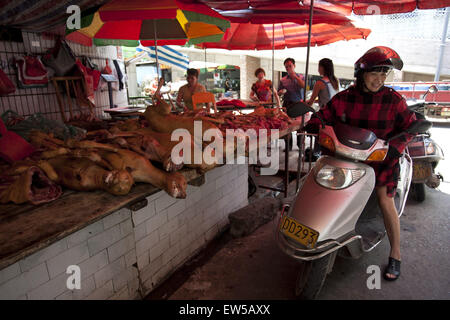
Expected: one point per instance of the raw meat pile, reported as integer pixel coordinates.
(261, 118)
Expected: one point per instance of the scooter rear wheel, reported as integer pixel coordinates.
(311, 277)
(419, 192)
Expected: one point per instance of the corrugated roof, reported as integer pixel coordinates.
(40, 15)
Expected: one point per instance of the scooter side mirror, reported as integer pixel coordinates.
(431, 89)
(420, 126)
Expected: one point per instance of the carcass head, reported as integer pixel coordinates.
(162, 107)
(176, 185)
(118, 182)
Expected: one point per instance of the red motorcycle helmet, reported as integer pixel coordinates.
(378, 57)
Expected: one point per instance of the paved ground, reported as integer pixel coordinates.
(254, 268)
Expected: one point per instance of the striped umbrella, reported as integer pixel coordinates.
(121, 22)
(90, 25)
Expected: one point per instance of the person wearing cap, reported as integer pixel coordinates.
(370, 105)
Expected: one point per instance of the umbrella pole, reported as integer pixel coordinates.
(156, 49)
(309, 47)
(273, 62)
(300, 149)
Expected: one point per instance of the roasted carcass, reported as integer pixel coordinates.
(83, 174)
(155, 146)
(140, 168)
(202, 132)
(160, 119)
(141, 142)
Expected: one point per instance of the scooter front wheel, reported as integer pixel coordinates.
(311, 277)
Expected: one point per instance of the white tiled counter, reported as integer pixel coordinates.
(126, 254)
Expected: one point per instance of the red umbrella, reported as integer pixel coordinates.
(360, 7)
(247, 36)
(289, 11)
(369, 7)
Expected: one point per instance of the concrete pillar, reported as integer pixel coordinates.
(248, 66)
(132, 81)
(397, 76)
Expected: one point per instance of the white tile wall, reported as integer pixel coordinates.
(120, 248)
(109, 271)
(43, 255)
(125, 246)
(9, 272)
(102, 293)
(104, 240)
(72, 256)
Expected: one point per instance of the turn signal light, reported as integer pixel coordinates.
(378, 155)
(327, 142)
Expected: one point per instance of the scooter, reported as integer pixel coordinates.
(426, 154)
(335, 210)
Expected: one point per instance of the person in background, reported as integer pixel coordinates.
(326, 87)
(262, 89)
(291, 85)
(370, 105)
(153, 85)
(185, 92)
(228, 86)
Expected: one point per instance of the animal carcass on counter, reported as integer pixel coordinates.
(30, 185)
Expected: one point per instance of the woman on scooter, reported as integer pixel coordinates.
(370, 105)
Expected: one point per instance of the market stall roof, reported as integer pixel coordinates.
(228, 67)
(40, 15)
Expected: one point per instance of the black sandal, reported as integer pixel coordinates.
(392, 268)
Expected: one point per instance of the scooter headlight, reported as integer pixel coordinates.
(338, 178)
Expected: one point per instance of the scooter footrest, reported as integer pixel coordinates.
(370, 242)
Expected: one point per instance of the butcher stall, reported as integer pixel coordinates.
(81, 190)
(125, 243)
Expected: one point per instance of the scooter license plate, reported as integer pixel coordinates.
(300, 233)
(421, 171)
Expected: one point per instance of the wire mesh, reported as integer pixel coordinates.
(43, 100)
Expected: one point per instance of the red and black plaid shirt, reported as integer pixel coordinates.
(385, 113)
